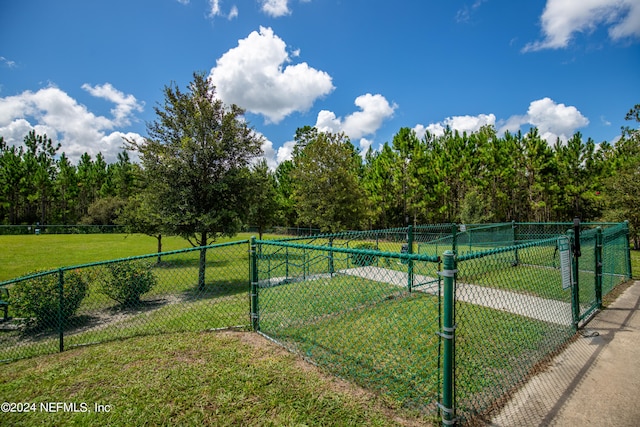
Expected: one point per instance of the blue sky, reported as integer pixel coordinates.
(87, 73)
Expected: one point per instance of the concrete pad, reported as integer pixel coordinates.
(595, 381)
(547, 310)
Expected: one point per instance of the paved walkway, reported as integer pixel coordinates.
(595, 381)
(525, 305)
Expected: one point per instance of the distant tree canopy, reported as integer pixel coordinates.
(199, 177)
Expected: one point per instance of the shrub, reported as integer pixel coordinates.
(126, 282)
(38, 299)
(363, 260)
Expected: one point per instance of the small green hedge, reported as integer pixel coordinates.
(38, 299)
(126, 282)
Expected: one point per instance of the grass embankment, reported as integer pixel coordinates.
(224, 379)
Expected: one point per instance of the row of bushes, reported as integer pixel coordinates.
(38, 299)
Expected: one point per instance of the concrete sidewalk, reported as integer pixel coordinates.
(595, 381)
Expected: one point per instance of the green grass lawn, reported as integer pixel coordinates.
(20, 255)
(370, 332)
(220, 379)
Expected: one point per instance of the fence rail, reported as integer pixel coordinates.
(444, 319)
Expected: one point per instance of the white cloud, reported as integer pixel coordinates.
(460, 123)
(125, 104)
(275, 8)
(253, 76)
(215, 10)
(553, 121)
(269, 154)
(285, 152)
(365, 144)
(7, 62)
(374, 110)
(64, 120)
(561, 19)
(233, 13)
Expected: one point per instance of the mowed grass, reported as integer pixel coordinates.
(385, 339)
(219, 379)
(20, 255)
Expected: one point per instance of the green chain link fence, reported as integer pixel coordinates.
(154, 294)
(445, 319)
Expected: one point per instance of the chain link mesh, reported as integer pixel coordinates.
(152, 294)
(368, 306)
(357, 312)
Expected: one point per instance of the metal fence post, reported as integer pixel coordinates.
(255, 321)
(515, 242)
(410, 261)
(331, 268)
(627, 252)
(575, 289)
(598, 269)
(60, 309)
(447, 406)
(454, 238)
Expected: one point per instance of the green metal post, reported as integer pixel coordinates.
(575, 288)
(255, 323)
(515, 242)
(286, 265)
(448, 335)
(598, 268)
(60, 308)
(627, 250)
(331, 270)
(454, 238)
(410, 261)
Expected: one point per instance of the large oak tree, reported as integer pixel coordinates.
(196, 159)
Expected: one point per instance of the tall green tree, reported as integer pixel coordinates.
(263, 207)
(622, 187)
(196, 158)
(326, 184)
(39, 158)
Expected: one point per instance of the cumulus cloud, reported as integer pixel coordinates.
(255, 76)
(125, 104)
(460, 123)
(374, 109)
(553, 121)
(561, 19)
(275, 8)
(64, 120)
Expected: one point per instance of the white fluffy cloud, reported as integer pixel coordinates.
(459, 123)
(255, 76)
(374, 109)
(64, 120)
(275, 8)
(553, 120)
(561, 19)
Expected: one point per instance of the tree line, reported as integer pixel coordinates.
(201, 176)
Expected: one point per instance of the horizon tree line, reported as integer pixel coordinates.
(201, 176)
